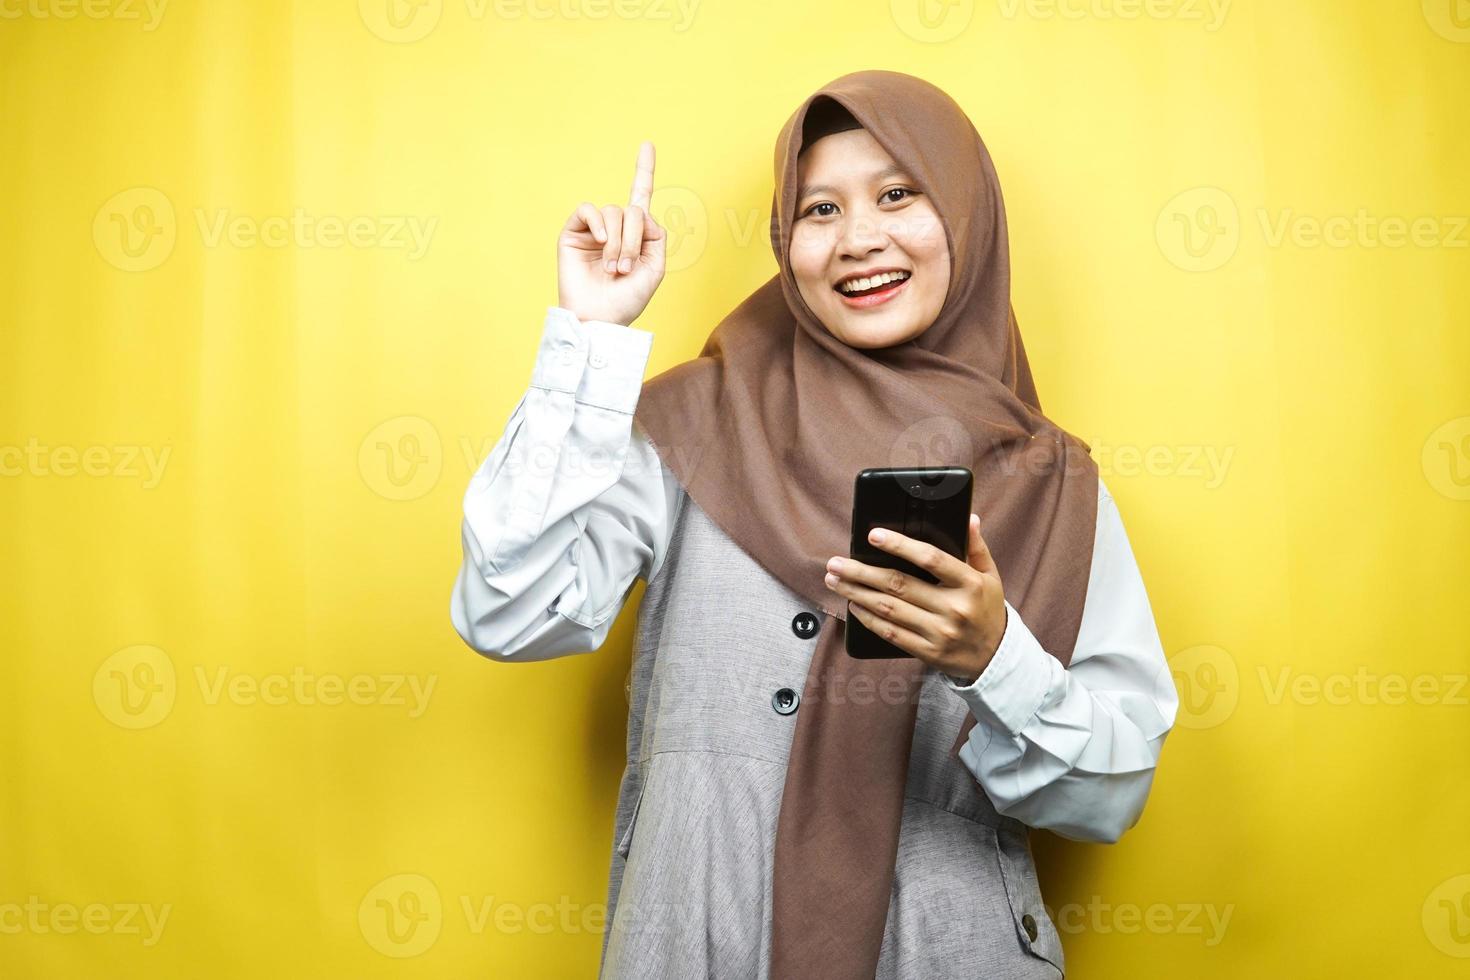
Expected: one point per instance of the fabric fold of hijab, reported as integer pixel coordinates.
(766, 430)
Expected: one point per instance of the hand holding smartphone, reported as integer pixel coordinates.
(927, 503)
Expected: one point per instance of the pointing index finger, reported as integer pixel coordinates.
(643, 177)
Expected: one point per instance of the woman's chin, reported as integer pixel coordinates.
(871, 334)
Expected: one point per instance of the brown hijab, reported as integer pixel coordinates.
(766, 430)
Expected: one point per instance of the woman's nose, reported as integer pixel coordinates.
(862, 233)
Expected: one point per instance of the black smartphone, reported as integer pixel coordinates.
(928, 503)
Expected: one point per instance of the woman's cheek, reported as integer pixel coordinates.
(926, 238)
(811, 244)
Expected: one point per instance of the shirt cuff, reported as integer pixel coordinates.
(600, 363)
(1013, 686)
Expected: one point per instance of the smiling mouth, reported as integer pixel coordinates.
(876, 294)
(876, 284)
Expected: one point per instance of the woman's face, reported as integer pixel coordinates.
(858, 214)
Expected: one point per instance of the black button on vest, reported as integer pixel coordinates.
(1029, 924)
(785, 701)
(805, 625)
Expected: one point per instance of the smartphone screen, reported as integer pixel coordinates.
(927, 503)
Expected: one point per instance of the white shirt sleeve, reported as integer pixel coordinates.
(1073, 749)
(571, 506)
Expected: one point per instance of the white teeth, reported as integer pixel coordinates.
(858, 285)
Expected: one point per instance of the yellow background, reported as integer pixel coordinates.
(323, 402)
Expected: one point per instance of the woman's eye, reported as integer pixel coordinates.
(883, 197)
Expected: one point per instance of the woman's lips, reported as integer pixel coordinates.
(875, 299)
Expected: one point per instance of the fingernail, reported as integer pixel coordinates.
(609, 265)
(878, 535)
(831, 579)
(625, 266)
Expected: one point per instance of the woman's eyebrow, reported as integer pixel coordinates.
(890, 171)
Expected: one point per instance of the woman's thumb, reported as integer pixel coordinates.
(979, 557)
(653, 231)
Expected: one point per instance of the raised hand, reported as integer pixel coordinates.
(610, 260)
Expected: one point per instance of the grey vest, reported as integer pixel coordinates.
(720, 658)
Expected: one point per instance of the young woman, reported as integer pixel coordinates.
(789, 811)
